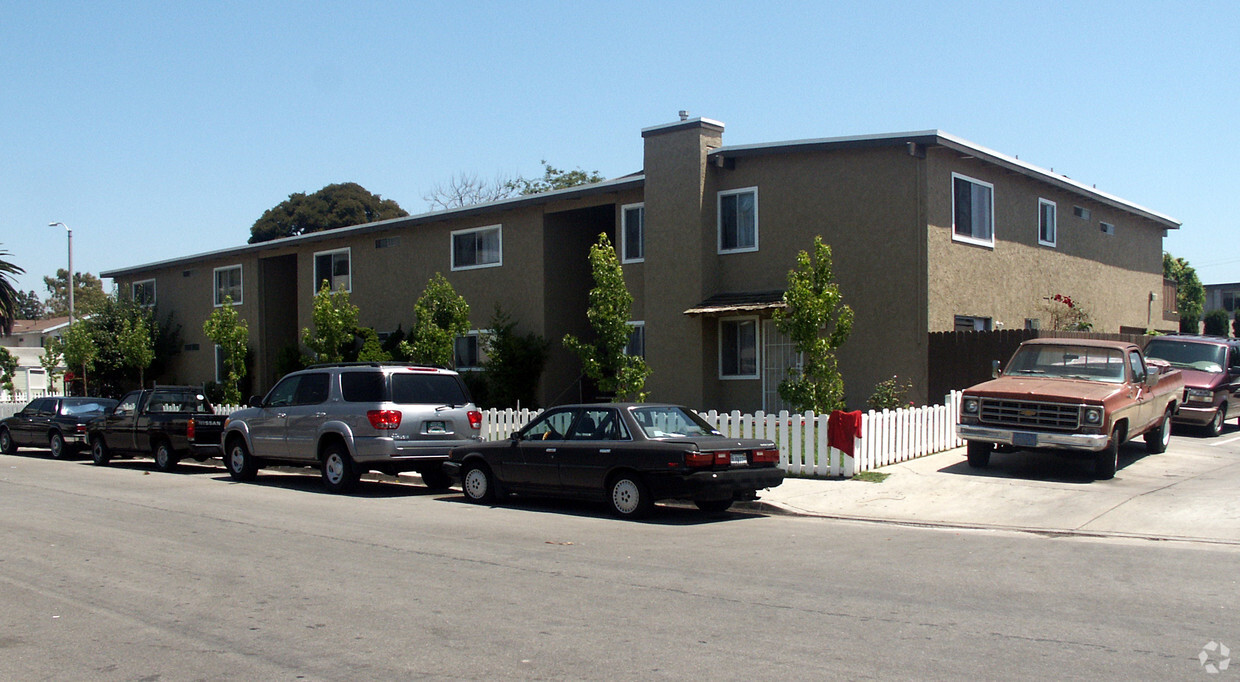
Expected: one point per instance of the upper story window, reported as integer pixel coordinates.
(480, 247)
(637, 340)
(228, 284)
(973, 218)
(738, 220)
(1107, 228)
(143, 292)
(1046, 222)
(333, 267)
(738, 348)
(633, 233)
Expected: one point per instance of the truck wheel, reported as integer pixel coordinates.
(979, 453)
(1107, 461)
(241, 464)
(7, 445)
(1158, 438)
(436, 479)
(165, 460)
(1215, 427)
(340, 474)
(99, 453)
(56, 443)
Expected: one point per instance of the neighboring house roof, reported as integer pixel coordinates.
(939, 138)
(37, 326)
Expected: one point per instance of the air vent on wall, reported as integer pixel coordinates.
(1107, 228)
(1081, 212)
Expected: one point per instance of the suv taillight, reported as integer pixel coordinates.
(475, 419)
(384, 419)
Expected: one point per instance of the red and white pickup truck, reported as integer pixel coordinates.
(1073, 395)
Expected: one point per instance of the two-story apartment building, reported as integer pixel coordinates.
(929, 233)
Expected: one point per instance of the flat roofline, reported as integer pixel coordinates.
(939, 138)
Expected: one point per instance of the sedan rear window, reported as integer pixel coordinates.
(428, 389)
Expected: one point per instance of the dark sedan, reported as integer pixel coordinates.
(628, 455)
(55, 423)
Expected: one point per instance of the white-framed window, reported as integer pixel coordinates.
(143, 292)
(470, 351)
(1107, 228)
(333, 267)
(738, 348)
(228, 284)
(637, 339)
(738, 220)
(478, 247)
(973, 214)
(1047, 221)
(633, 233)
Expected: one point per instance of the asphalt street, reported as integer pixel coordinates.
(121, 573)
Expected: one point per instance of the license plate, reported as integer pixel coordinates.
(1025, 440)
(739, 459)
(436, 427)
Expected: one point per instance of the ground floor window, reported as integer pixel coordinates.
(738, 348)
(470, 351)
(970, 323)
(637, 340)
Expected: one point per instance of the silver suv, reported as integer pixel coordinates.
(349, 418)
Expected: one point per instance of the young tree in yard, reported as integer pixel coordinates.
(1190, 295)
(441, 316)
(52, 358)
(371, 350)
(818, 322)
(80, 352)
(335, 320)
(232, 334)
(603, 360)
(514, 363)
(122, 332)
(137, 345)
(8, 370)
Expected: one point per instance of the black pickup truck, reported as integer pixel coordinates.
(167, 423)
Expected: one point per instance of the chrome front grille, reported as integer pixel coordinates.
(1029, 414)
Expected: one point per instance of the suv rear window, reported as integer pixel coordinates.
(428, 389)
(362, 387)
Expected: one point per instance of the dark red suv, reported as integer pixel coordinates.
(1211, 369)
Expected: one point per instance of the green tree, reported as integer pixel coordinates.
(30, 306)
(137, 345)
(8, 294)
(8, 370)
(604, 360)
(123, 333)
(818, 322)
(334, 206)
(80, 353)
(441, 316)
(232, 334)
(1216, 323)
(52, 358)
(88, 294)
(555, 178)
(335, 321)
(371, 350)
(1190, 295)
(514, 363)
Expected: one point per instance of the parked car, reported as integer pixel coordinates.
(57, 423)
(628, 455)
(1211, 369)
(166, 423)
(1072, 396)
(349, 418)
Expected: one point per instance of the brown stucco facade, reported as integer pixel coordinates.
(885, 204)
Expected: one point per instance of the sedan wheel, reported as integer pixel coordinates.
(713, 506)
(7, 446)
(241, 465)
(435, 479)
(99, 453)
(164, 459)
(478, 483)
(56, 443)
(628, 497)
(339, 473)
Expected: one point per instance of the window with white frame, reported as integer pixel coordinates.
(973, 323)
(637, 339)
(470, 351)
(973, 217)
(143, 292)
(738, 220)
(1107, 228)
(480, 247)
(1047, 217)
(738, 348)
(333, 268)
(228, 284)
(633, 233)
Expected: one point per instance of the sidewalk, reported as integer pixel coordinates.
(1189, 493)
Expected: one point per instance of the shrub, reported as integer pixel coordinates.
(889, 394)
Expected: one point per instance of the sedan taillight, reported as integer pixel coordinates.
(475, 419)
(699, 459)
(384, 419)
(766, 456)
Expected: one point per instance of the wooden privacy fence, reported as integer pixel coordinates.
(887, 437)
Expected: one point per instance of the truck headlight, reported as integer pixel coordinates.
(1093, 415)
(969, 405)
(1199, 395)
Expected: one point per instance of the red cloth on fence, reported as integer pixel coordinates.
(842, 428)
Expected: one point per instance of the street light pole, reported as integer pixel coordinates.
(69, 282)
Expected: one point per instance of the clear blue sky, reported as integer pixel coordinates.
(163, 129)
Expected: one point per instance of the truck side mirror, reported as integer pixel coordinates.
(255, 401)
(994, 369)
(1151, 377)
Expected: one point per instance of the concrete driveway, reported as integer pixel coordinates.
(1191, 492)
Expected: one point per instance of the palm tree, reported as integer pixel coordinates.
(8, 294)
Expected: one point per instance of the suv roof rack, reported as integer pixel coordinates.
(389, 363)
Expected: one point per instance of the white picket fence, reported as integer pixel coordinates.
(887, 437)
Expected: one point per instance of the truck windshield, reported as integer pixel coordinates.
(1069, 362)
(1203, 357)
